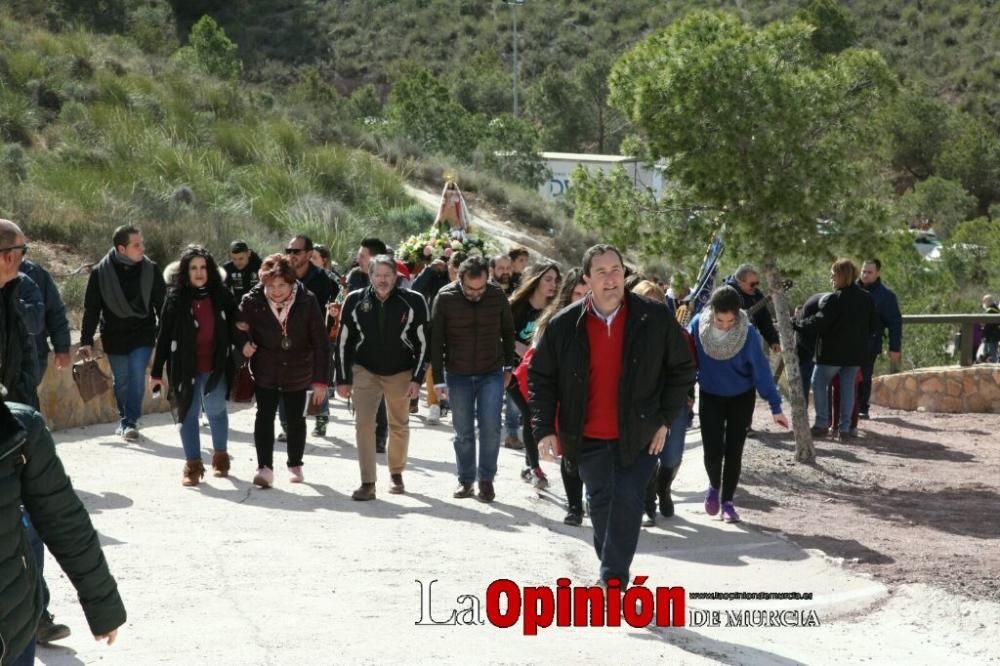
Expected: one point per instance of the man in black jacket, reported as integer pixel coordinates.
(617, 370)
(324, 288)
(32, 476)
(241, 269)
(382, 351)
(746, 281)
(124, 294)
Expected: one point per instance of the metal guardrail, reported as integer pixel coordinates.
(966, 352)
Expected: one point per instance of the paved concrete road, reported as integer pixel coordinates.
(301, 574)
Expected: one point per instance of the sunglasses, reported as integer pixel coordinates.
(753, 285)
(23, 248)
(293, 250)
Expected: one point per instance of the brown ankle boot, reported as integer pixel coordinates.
(220, 464)
(194, 471)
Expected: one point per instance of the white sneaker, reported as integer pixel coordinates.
(434, 415)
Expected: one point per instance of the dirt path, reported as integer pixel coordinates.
(914, 500)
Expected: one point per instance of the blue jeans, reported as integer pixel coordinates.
(990, 352)
(673, 450)
(476, 398)
(616, 494)
(512, 422)
(129, 372)
(822, 376)
(214, 404)
(27, 658)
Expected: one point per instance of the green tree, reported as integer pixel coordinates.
(214, 50)
(673, 228)
(757, 123)
(365, 103)
(593, 125)
(421, 109)
(973, 159)
(836, 29)
(918, 128)
(482, 85)
(944, 204)
(510, 149)
(546, 102)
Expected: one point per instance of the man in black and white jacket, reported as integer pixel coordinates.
(382, 350)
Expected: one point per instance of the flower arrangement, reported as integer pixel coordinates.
(438, 243)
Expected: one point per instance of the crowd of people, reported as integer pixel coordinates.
(590, 364)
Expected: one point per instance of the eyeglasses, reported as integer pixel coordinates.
(23, 248)
(293, 250)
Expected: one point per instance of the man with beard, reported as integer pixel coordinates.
(502, 273)
(472, 356)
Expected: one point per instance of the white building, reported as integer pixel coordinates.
(562, 165)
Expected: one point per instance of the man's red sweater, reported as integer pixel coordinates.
(606, 358)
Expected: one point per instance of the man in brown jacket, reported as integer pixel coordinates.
(472, 354)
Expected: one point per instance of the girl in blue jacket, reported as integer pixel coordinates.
(731, 368)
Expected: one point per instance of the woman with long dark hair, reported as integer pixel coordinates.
(573, 288)
(283, 335)
(538, 289)
(195, 343)
(732, 368)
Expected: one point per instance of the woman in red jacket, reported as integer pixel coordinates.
(283, 334)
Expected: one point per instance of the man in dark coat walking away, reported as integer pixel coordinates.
(617, 370)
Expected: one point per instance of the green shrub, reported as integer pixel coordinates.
(409, 220)
(153, 28)
(214, 51)
(18, 118)
(13, 164)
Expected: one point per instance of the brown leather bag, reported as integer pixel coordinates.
(243, 384)
(90, 380)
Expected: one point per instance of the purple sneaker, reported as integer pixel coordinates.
(712, 501)
(729, 513)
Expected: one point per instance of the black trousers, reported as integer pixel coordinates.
(724, 421)
(865, 389)
(573, 485)
(528, 437)
(263, 427)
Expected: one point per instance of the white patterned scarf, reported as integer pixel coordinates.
(722, 345)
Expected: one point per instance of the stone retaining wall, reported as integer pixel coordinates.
(945, 389)
(63, 408)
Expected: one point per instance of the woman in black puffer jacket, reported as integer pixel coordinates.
(196, 341)
(283, 333)
(32, 475)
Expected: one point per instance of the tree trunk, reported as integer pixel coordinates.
(804, 451)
